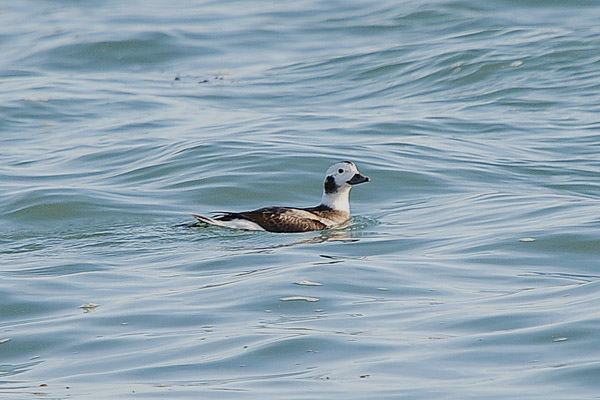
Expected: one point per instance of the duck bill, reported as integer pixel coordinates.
(358, 178)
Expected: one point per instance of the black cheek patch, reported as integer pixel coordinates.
(330, 186)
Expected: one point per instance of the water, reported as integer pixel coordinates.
(470, 268)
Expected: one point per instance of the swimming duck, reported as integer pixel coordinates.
(333, 210)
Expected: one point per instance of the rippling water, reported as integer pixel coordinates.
(470, 268)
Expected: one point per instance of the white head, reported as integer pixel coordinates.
(339, 179)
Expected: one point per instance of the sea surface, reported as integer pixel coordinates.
(470, 268)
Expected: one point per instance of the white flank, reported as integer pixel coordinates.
(238, 223)
(241, 224)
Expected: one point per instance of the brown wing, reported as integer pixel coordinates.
(280, 219)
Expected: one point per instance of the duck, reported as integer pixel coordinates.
(333, 210)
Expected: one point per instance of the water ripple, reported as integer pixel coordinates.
(469, 267)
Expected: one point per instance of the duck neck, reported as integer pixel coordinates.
(338, 200)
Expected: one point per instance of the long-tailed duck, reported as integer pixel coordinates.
(333, 210)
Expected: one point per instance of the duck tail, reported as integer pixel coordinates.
(207, 220)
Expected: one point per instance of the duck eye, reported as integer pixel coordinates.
(340, 171)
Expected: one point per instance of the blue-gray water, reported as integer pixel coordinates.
(471, 267)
